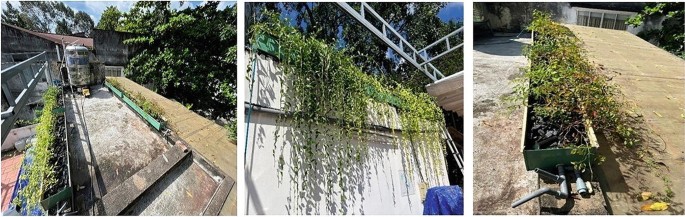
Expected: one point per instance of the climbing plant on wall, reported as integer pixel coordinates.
(328, 101)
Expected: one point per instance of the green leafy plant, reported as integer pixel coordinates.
(40, 173)
(328, 102)
(147, 106)
(568, 92)
(188, 55)
(671, 35)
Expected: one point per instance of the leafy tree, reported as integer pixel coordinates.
(47, 16)
(62, 28)
(187, 55)
(83, 23)
(110, 18)
(418, 22)
(671, 35)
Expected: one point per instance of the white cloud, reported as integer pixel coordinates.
(14, 4)
(180, 5)
(224, 4)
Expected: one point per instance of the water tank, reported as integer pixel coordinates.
(78, 65)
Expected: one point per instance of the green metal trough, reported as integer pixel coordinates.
(159, 126)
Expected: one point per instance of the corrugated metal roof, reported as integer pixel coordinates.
(88, 42)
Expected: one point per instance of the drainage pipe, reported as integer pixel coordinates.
(249, 111)
(580, 183)
(563, 186)
(548, 175)
(535, 194)
(561, 179)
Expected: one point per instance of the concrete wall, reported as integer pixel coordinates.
(380, 184)
(17, 41)
(513, 17)
(110, 48)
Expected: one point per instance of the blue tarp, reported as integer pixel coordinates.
(21, 183)
(444, 200)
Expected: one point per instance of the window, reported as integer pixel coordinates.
(602, 18)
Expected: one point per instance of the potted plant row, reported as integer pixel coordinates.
(566, 99)
(44, 181)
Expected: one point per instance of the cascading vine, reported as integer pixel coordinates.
(328, 101)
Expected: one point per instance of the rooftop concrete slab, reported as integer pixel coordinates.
(499, 172)
(653, 82)
(107, 141)
(204, 136)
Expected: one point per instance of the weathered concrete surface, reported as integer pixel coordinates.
(204, 136)
(124, 194)
(110, 48)
(108, 141)
(499, 173)
(653, 81)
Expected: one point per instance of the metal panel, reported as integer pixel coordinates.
(268, 44)
(17, 103)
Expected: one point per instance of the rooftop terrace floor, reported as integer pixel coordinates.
(653, 82)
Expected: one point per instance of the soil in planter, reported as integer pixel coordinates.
(59, 161)
(547, 133)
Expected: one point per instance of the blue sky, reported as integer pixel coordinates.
(452, 11)
(95, 8)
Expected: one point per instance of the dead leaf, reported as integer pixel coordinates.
(658, 206)
(645, 195)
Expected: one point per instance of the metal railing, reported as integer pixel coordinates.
(419, 58)
(29, 72)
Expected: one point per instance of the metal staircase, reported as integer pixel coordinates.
(29, 72)
(454, 151)
(421, 59)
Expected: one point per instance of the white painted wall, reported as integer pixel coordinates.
(380, 189)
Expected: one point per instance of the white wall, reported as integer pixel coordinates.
(379, 188)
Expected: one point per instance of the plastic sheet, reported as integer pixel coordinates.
(444, 200)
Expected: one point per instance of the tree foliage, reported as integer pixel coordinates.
(187, 55)
(671, 35)
(47, 16)
(418, 22)
(109, 19)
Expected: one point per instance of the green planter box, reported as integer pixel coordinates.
(268, 44)
(547, 159)
(159, 126)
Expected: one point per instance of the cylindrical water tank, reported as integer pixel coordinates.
(78, 65)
